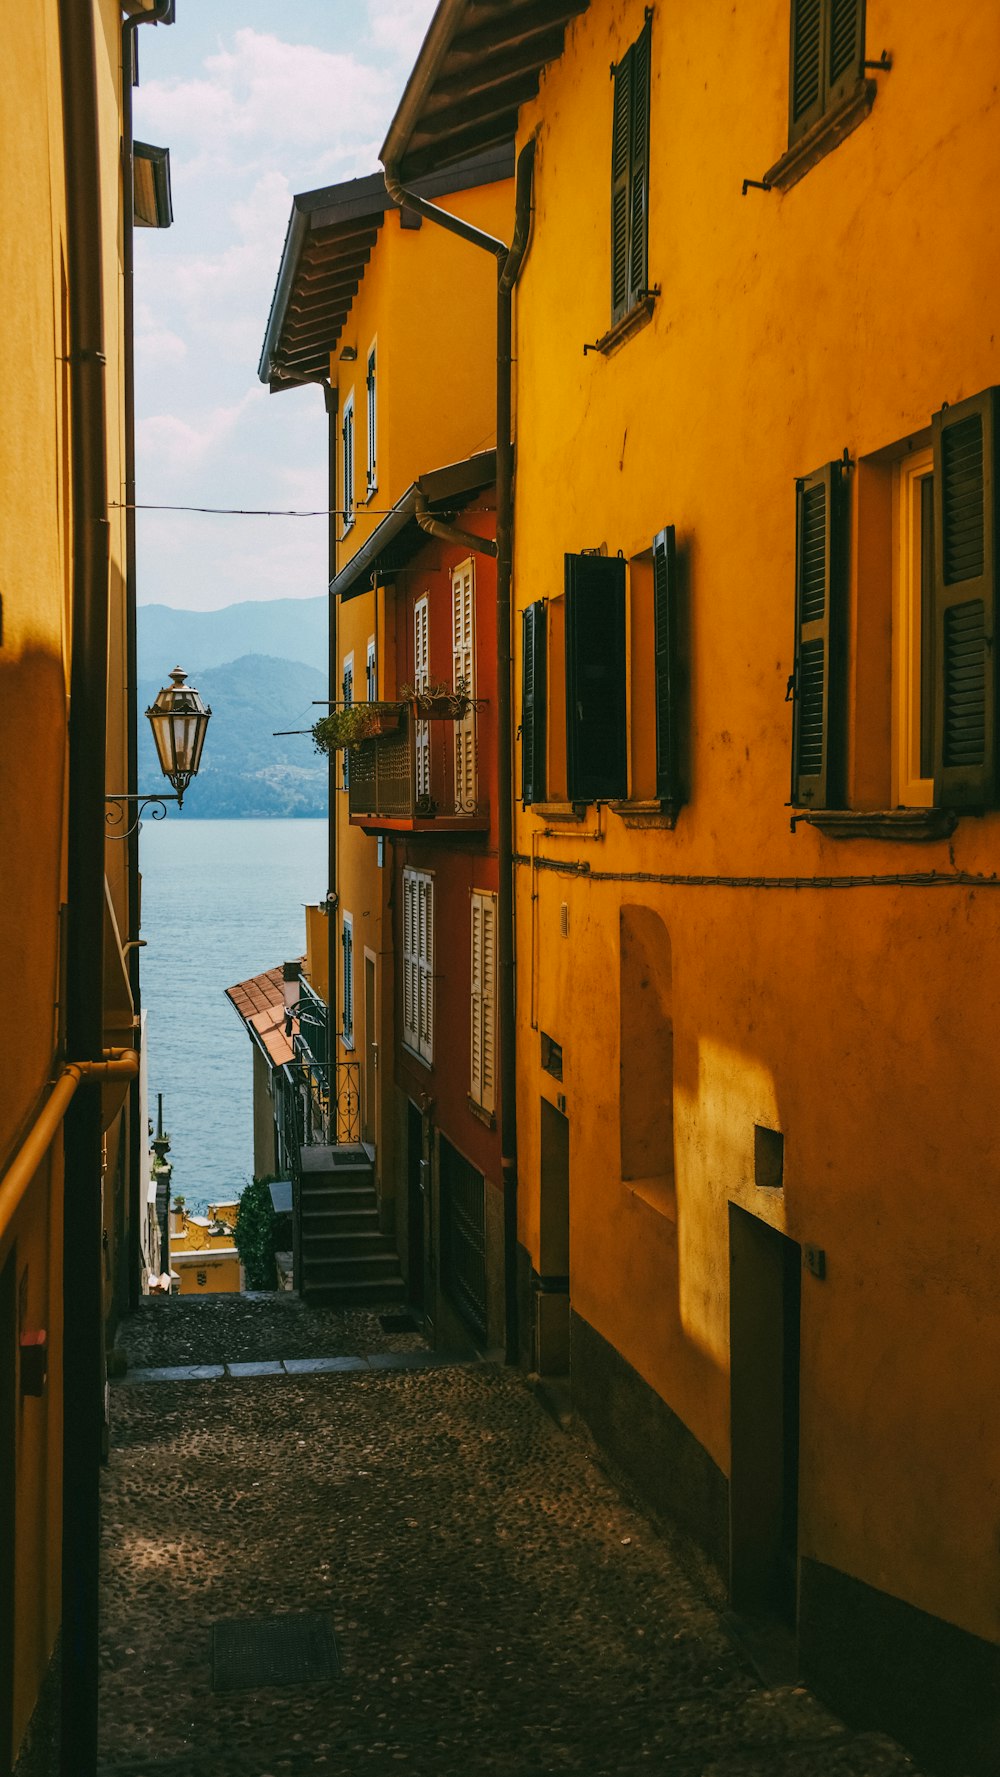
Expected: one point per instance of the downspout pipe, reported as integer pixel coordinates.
(509, 262)
(450, 533)
(83, 1366)
(160, 14)
(330, 398)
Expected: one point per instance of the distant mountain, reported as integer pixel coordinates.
(283, 629)
(246, 772)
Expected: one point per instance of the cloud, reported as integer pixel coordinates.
(399, 26)
(154, 342)
(173, 443)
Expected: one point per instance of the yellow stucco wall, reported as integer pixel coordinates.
(428, 301)
(35, 586)
(858, 1022)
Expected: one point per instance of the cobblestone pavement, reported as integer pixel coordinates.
(170, 1330)
(497, 1605)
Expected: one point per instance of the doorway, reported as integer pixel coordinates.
(371, 1054)
(551, 1283)
(8, 1448)
(416, 1207)
(765, 1271)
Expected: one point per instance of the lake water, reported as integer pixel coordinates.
(221, 900)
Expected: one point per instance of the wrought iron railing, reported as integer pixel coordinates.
(411, 774)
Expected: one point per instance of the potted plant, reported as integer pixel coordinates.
(353, 723)
(436, 702)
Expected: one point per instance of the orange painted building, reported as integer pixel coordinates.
(755, 587)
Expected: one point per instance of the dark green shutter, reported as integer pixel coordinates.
(533, 689)
(621, 158)
(596, 716)
(819, 705)
(807, 87)
(668, 764)
(965, 598)
(639, 172)
(845, 49)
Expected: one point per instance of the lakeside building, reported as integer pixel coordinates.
(203, 1254)
(72, 1130)
(755, 581)
(365, 306)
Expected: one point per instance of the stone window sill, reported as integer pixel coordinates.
(913, 824)
(638, 317)
(559, 811)
(662, 815)
(826, 134)
(481, 1115)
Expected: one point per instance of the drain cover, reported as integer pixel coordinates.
(287, 1649)
(398, 1323)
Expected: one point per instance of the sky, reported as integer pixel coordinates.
(256, 101)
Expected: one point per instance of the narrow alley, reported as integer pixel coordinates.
(495, 1603)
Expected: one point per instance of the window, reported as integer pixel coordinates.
(347, 687)
(965, 602)
(827, 56)
(371, 671)
(596, 712)
(630, 178)
(372, 484)
(463, 654)
(533, 703)
(347, 943)
(482, 1044)
(347, 461)
(421, 680)
(418, 963)
(913, 631)
(819, 683)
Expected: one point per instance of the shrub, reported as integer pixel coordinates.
(254, 1234)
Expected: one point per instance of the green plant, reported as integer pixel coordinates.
(178, 1203)
(254, 1234)
(450, 702)
(352, 723)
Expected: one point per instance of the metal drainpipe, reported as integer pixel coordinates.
(330, 397)
(136, 1134)
(451, 533)
(83, 1378)
(509, 262)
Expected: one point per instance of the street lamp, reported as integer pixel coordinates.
(179, 720)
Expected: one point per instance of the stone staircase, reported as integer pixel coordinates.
(345, 1259)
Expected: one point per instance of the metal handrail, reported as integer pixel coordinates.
(117, 1064)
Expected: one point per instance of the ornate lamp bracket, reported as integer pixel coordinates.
(120, 808)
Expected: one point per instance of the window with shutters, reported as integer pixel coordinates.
(347, 463)
(818, 686)
(964, 599)
(372, 419)
(913, 631)
(630, 177)
(463, 653)
(655, 685)
(421, 680)
(347, 944)
(827, 59)
(482, 1038)
(534, 702)
(347, 689)
(418, 963)
(596, 688)
(371, 671)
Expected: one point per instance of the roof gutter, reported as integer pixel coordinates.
(509, 262)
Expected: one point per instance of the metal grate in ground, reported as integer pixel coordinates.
(294, 1648)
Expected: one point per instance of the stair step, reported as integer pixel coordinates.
(330, 1267)
(339, 1221)
(336, 1244)
(356, 1294)
(357, 1197)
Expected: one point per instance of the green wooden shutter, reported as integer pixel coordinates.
(621, 166)
(807, 76)
(596, 715)
(845, 49)
(668, 763)
(819, 706)
(533, 689)
(965, 599)
(638, 251)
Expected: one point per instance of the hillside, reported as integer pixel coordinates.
(247, 773)
(282, 629)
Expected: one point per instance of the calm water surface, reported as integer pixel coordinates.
(221, 900)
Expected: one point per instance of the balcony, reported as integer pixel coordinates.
(421, 779)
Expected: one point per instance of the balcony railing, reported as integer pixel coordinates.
(418, 777)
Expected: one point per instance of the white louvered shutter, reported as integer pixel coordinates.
(421, 679)
(411, 987)
(489, 999)
(425, 965)
(463, 633)
(476, 996)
